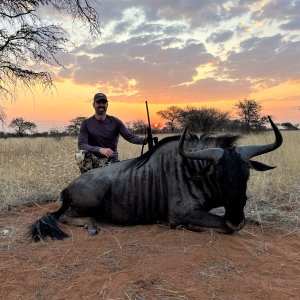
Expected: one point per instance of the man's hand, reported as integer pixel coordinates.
(106, 152)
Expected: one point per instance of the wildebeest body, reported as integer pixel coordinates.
(133, 191)
(169, 184)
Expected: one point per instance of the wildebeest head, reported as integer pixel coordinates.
(231, 168)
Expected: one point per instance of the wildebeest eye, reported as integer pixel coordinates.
(206, 171)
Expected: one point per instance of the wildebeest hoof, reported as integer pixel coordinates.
(92, 230)
(235, 227)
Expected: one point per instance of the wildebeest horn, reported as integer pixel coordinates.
(248, 152)
(207, 154)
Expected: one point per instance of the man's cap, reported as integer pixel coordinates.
(100, 97)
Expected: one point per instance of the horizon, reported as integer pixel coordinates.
(182, 53)
(158, 125)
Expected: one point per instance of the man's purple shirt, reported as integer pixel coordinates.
(95, 134)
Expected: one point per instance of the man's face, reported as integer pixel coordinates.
(100, 107)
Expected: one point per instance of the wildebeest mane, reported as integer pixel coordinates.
(192, 141)
(222, 141)
(141, 160)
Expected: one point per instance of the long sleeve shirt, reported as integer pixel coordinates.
(95, 134)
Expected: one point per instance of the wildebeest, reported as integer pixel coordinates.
(178, 182)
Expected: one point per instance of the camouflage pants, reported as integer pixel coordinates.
(87, 161)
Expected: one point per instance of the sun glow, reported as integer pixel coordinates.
(169, 56)
(69, 100)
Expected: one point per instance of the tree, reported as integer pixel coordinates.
(21, 126)
(137, 126)
(203, 119)
(74, 127)
(290, 126)
(171, 115)
(249, 113)
(28, 42)
(234, 125)
(55, 133)
(2, 116)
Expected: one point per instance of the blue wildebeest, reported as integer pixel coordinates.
(178, 182)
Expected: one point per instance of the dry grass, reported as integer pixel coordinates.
(34, 171)
(275, 195)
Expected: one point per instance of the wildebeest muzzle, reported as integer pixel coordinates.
(235, 220)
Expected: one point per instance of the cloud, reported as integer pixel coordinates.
(294, 24)
(156, 70)
(278, 9)
(210, 89)
(193, 12)
(66, 59)
(272, 59)
(150, 64)
(151, 47)
(220, 37)
(206, 90)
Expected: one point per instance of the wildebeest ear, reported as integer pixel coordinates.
(206, 171)
(258, 166)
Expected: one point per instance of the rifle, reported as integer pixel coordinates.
(151, 140)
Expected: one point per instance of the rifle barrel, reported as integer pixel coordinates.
(149, 125)
(149, 130)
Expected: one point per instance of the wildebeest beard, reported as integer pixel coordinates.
(232, 175)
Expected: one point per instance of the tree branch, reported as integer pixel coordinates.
(17, 15)
(26, 41)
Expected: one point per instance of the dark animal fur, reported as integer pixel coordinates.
(46, 226)
(223, 141)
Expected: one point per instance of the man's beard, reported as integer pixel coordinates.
(101, 111)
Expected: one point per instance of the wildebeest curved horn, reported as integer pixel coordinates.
(248, 152)
(207, 154)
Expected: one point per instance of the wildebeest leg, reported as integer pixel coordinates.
(201, 221)
(89, 223)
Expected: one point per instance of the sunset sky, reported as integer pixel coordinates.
(174, 52)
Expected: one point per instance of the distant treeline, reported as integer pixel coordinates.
(230, 126)
(196, 119)
(57, 135)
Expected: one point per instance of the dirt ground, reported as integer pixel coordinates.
(147, 262)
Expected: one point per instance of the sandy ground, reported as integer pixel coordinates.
(147, 262)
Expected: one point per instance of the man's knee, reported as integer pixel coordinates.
(84, 160)
(87, 161)
(80, 155)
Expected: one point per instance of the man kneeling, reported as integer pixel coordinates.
(99, 136)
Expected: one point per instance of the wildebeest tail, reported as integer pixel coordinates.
(47, 225)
